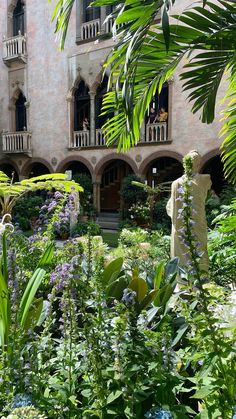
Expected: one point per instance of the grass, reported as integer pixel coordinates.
(111, 238)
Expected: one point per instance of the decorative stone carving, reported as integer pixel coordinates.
(93, 160)
(54, 161)
(138, 158)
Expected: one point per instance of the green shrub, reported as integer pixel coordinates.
(26, 209)
(132, 194)
(161, 221)
(82, 228)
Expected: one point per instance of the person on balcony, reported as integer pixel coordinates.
(162, 116)
(85, 124)
(152, 116)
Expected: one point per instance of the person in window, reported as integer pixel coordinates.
(163, 115)
(85, 124)
(152, 116)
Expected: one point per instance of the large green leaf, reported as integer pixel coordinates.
(139, 285)
(4, 310)
(112, 271)
(29, 294)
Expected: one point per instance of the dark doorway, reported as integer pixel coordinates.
(214, 167)
(10, 171)
(21, 122)
(112, 178)
(164, 169)
(38, 169)
(19, 19)
(78, 168)
(82, 106)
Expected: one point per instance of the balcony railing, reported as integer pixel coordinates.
(14, 49)
(90, 29)
(156, 133)
(81, 139)
(100, 139)
(16, 142)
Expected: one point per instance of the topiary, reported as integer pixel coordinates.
(132, 194)
(28, 412)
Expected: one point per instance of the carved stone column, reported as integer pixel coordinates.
(103, 17)
(27, 108)
(79, 19)
(92, 118)
(96, 195)
(70, 117)
(170, 107)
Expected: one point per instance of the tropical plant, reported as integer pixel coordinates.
(11, 192)
(29, 308)
(147, 54)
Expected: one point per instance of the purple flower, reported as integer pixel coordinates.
(128, 296)
(58, 195)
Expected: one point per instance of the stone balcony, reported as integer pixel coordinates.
(154, 134)
(17, 143)
(90, 30)
(14, 49)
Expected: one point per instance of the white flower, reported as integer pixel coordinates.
(6, 226)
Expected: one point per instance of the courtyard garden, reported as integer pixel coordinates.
(88, 330)
(131, 326)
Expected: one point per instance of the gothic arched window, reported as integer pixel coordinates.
(19, 18)
(82, 105)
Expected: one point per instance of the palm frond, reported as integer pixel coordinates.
(229, 129)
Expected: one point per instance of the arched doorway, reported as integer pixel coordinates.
(214, 167)
(163, 169)
(38, 169)
(10, 171)
(112, 177)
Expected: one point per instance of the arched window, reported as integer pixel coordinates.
(19, 19)
(21, 122)
(90, 13)
(82, 106)
(102, 89)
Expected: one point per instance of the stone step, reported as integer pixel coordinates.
(108, 225)
(109, 215)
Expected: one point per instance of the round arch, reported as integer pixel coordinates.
(29, 165)
(155, 156)
(111, 174)
(7, 166)
(111, 157)
(213, 166)
(62, 167)
(208, 156)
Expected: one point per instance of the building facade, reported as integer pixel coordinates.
(50, 105)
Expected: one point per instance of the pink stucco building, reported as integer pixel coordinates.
(46, 94)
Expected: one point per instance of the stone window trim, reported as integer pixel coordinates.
(10, 10)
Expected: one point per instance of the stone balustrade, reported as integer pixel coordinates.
(90, 29)
(81, 139)
(156, 133)
(100, 139)
(16, 142)
(15, 48)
